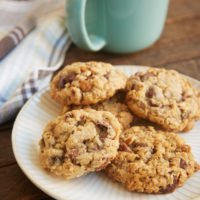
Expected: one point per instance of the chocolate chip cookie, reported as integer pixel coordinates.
(86, 83)
(115, 105)
(164, 97)
(152, 161)
(79, 142)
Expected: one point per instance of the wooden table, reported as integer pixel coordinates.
(178, 48)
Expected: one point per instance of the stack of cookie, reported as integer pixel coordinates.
(104, 125)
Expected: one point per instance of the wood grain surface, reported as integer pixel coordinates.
(178, 48)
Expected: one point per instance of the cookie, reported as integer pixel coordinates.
(164, 97)
(152, 161)
(79, 142)
(86, 83)
(115, 105)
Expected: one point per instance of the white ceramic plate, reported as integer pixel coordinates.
(28, 127)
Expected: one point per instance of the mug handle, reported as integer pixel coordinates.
(77, 28)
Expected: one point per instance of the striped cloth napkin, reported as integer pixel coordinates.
(31, 64)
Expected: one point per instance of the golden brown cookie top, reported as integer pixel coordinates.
(152, 161)
(79, 142)
(86, 83)
(164, 97)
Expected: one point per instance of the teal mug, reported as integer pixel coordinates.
(118, 26)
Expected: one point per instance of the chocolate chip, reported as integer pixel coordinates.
(85, 141)
(81, 122)
(184, 115)
(64, 150)
(73, 92)
(183, 164)
(73, 153)
(65, 79)
(153, 151)
(169, 188)
(52, 160)
(150, 92)
(55, 159)
(102, 130)
(133, 85)
(146, 76)
(107, 75)
(61, 82)
(86, 147)
(102, 127)
(68, 115)
(121, 94)
(74, 161)
(124, 147)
